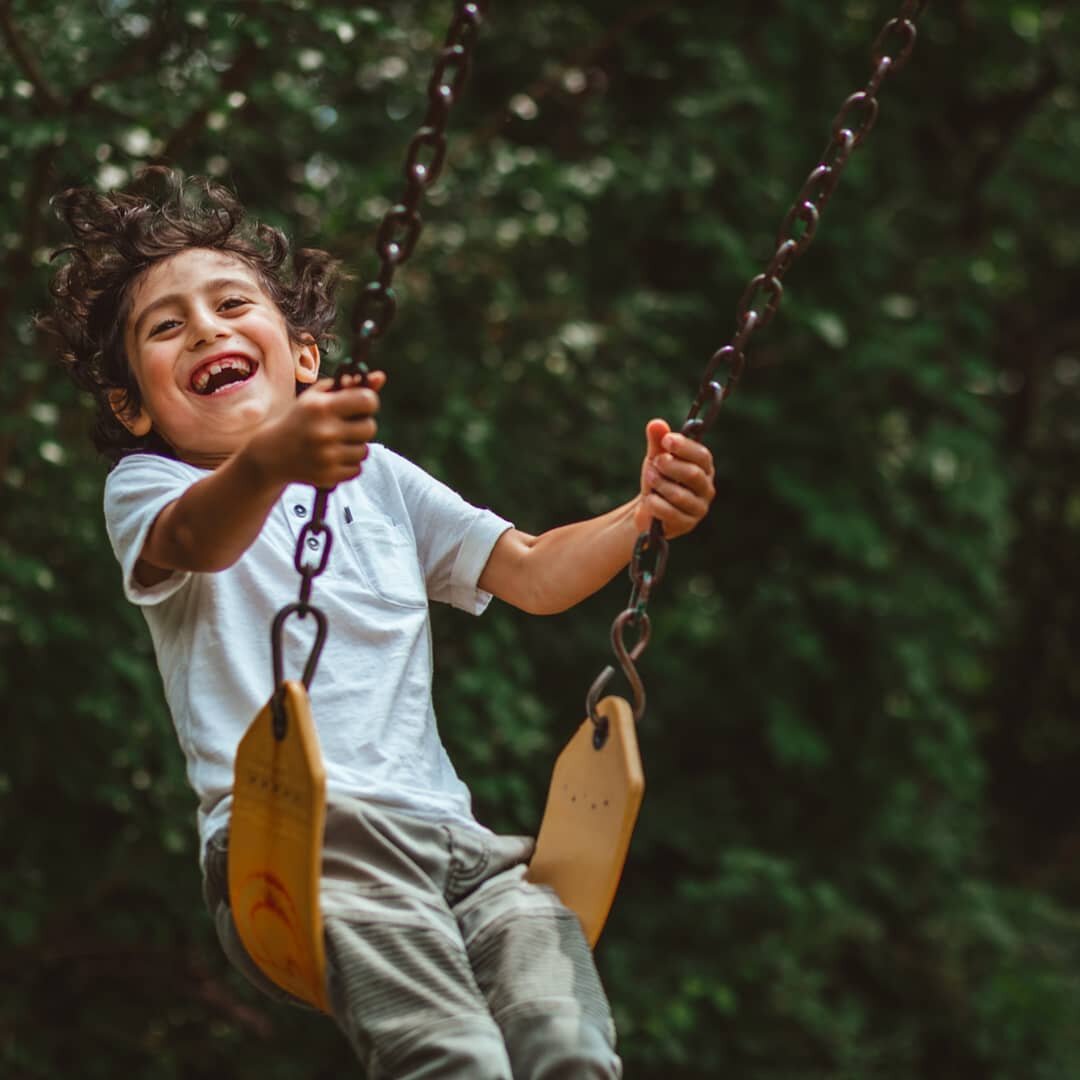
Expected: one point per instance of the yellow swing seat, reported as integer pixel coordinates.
(275, 847)
(592, 806)
(279, 814)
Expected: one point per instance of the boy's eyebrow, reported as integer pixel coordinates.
(176, 298)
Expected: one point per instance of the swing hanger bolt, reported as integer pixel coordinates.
(638, 620)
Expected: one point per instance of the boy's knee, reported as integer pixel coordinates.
(462, 1051)
(554, 1046)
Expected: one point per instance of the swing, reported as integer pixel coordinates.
(279, 795)
(276, 831)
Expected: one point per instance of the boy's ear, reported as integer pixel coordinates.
(307, 363)
(136, 420)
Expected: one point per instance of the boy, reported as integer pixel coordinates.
(442, 960)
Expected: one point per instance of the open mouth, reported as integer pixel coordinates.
(219, 374)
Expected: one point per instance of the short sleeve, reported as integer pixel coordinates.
(136, 491)
(454, 539)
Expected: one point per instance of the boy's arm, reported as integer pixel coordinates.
(321, 440)
(549, 573)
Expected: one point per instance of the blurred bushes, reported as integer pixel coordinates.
(856, 856)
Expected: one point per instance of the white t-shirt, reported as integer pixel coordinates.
(399, 538)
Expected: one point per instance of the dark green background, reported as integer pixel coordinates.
(858, 855)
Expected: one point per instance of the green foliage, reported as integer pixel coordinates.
(856, 857)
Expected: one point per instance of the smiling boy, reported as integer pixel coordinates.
(442, 959)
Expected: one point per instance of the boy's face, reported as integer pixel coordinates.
(212, 355)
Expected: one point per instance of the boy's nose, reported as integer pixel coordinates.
(204, 328)
(203, 339)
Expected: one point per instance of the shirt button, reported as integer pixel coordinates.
(300, 510)
(313, 542)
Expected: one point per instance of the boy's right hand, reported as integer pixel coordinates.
(322, 439)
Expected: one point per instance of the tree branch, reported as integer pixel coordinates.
(586, 57)
(133, 61)
(1010, 112)
(233, 78)
(19, 261)
(26, 61)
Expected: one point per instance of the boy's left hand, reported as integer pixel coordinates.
(676, 480)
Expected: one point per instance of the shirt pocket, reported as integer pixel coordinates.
(387, 559)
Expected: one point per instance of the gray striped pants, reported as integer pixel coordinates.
(442, 960)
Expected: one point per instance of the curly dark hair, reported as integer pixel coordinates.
(119, 235)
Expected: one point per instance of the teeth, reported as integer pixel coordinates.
(202, 378)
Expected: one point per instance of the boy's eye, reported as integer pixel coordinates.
(228, 304)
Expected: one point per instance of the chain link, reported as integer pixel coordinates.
(424, 159)
(758, 304)
(376, 303)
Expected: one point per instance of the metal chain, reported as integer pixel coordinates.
(376, 304)
(758, 304)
